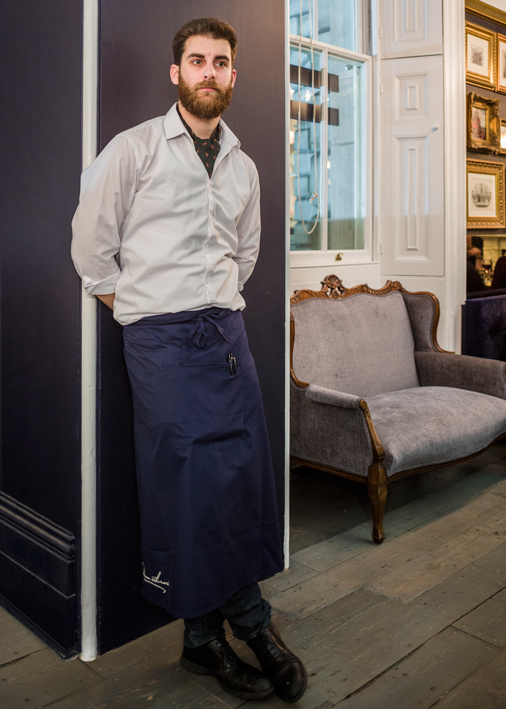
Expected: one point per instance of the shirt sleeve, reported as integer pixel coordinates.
(108, 188)
(248, 231)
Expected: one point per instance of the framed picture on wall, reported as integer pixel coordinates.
(501, 64)
(485, 195)
(483, 125)
(480, 56)
(502, 149)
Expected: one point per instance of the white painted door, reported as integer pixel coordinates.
(412, 166)
(411, 28)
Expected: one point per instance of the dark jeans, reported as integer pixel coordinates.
(247, 613)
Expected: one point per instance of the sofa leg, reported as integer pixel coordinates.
(377, 485)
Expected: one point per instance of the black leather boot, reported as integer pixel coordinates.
(235, 676)
(280, 665)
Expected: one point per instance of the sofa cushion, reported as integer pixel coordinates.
(360, 345)
(434, 425)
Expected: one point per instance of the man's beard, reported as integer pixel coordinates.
(204, 107)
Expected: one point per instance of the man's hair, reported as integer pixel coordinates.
(206, 27)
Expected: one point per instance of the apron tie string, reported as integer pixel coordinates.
(199, 336)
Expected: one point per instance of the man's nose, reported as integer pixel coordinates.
(209, 71)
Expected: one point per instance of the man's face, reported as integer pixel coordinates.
(205, 78)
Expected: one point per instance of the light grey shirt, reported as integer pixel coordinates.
(152, 226)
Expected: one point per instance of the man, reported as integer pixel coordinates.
(166, 233)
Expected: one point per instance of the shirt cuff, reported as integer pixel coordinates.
(104, 287)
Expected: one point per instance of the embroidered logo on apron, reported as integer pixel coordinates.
(155, 580)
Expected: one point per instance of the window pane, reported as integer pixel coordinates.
(346, 155)
(337, 23)
(295, 17)
(303, 180)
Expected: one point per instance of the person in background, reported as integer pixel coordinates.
(166, 234)
(499, 279)
(474, 281)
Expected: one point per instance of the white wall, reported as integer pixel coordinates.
(419, 160)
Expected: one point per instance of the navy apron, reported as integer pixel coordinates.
(209, 519)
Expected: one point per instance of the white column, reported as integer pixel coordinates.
(287, 287)
(455, 167)
(89, 358)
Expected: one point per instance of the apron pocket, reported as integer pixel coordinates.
(207, 404)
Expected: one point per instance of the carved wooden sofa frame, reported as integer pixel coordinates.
(493, 383)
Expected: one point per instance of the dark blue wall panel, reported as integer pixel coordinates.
(40, 130)
(40, 82)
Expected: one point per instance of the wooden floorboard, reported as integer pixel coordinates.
(324, 505)
(347, 653)
(483, 689)
(430, 568)
(297, 573)
(488, 621)
(167, 639)
(418, 622)
(426, 675)
(16, 641)
(156, 681)
(495, 561)
(374, 563)
(42, 678)
(336, 550)
(407, 518)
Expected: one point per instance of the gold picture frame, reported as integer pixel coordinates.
(485, 195)
(500, 66)
(480, 56)
(483, 124)
(502, 137)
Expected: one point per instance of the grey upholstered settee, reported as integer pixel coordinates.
(373, 396)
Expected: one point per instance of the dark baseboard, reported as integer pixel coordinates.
(37, 575)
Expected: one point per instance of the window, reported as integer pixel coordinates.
(330, 133)
(335, 23)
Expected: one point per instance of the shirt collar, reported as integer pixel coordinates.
(173, 126)
(215, 135)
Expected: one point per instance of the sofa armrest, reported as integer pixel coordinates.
(322, 395)
(330, 436)
(486, 376)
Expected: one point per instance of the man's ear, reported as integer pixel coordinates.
(234, 74)
(174, 74)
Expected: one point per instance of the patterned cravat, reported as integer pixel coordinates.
(206, 148)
